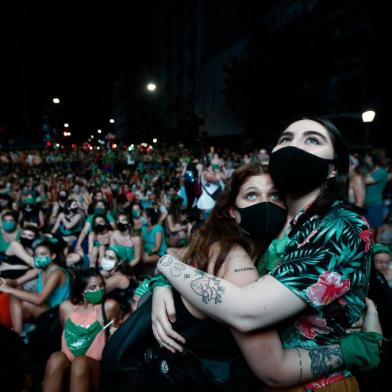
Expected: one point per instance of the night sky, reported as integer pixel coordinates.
(77, 52)
(73, 52)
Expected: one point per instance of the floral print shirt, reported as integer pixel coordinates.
(327, 264)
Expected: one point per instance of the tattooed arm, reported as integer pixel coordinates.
(260, 304)
(262, 349)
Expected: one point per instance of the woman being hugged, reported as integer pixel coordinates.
(318, 289)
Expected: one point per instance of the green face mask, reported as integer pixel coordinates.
(95, 297)
(136, 213)
(99, 210)
(9, 226)
(41, 262)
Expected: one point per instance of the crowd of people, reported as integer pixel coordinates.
(84, 232)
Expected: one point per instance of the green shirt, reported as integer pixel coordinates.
(374, 191)
(327, 264)
(149, 239)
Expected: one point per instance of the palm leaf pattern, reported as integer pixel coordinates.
(326, 263)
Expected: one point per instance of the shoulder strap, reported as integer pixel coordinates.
(105, 319)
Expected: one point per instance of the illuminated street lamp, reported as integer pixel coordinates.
(151, 87)
(368, 116)
(155, 140)
(112, 121)
(56, 100)
(367, 119)
(99, 130)
(66, 125)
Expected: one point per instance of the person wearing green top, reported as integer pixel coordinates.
(375, 183)
(9, 230)
(129, 245)
(53, 286)
(318, 289)
(154, 238)
(88, 319)
(99, 209)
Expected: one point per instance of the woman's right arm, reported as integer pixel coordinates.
(246, 309)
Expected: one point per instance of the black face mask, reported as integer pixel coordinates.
(74, 210)
(63, 197)
(99, 228)
(296, 171)
(262, 221)
(26, 242)
(122, 226)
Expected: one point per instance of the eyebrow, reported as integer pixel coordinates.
(250, 187)
(306, 133)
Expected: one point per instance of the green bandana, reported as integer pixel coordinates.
(78, 338)
(361, 350)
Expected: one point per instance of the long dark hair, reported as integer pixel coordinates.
(176, 209)
(220, 228)
(79, 283)
(335, 188)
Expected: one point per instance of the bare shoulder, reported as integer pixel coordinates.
(111, 306)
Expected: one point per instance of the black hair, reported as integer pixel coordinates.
(107, 224)
(52, 244)
(153, 214)
(79, 283)
(14, 215)
(378, 156)
(32, 228)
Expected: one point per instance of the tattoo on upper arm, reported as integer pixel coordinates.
(243, 269)
(325, 360)
(209, 288)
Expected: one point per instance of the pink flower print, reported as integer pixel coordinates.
(329, 286)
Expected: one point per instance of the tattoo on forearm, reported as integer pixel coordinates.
(176, 269)
(166, 260)
(209, 288)
(243, 269)
(325, 360)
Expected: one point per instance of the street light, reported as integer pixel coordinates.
(368, 116)
(56, 100)
(111, 121)
(367, 119)
(151, 87)
(155, 140)
(66, 125)
(99, 130)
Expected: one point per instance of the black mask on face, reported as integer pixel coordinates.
(296, 171)
(26, 242)
(122, 226)
(99, 228)
(262, 221)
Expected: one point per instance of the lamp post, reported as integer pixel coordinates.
(367, 119)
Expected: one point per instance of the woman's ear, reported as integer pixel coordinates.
(333, 172)
(232, 212)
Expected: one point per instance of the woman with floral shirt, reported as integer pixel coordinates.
(318, 289)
